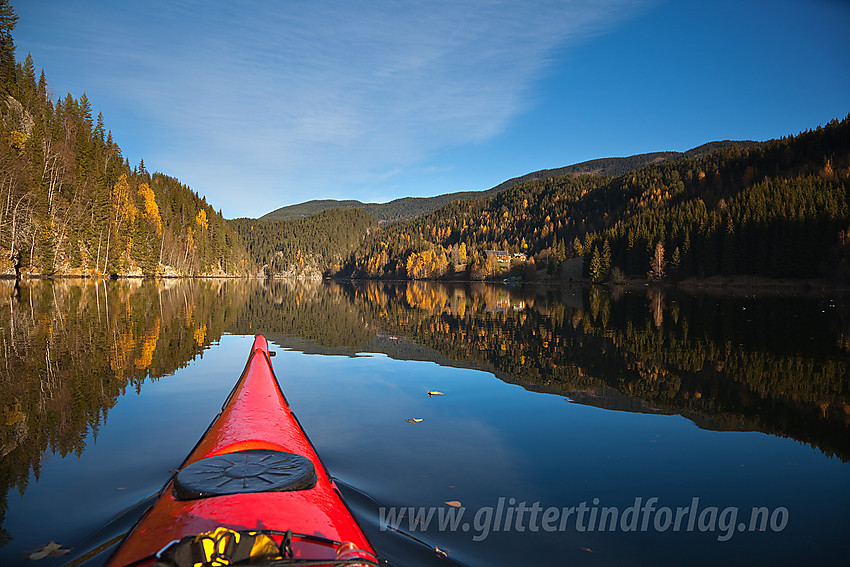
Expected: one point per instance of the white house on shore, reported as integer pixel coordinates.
(504, 257)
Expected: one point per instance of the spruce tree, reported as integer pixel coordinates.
(8, 21)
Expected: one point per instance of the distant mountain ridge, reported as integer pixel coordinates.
(400, 209)
(411, 207)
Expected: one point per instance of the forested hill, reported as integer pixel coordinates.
(410, 207)
(397, 210)
(778, 209)
(307, 247)
(71, 204)
(616, 166)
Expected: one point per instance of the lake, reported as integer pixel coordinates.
(572, 425)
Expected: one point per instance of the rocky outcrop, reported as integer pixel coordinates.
(18, 118)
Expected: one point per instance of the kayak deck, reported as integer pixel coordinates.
(253, 447)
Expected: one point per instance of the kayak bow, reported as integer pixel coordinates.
(254, 470)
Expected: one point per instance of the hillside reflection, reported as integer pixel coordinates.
(69, 349)
(773, 364)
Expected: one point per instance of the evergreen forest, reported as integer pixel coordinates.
(71, 204)
(776, 209)
(305, 247)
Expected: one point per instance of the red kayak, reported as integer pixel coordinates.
(253, 490)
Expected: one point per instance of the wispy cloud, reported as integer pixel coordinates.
(298, 98)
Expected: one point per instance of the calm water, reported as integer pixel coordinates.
(576, 425)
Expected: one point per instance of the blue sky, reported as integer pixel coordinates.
(259, 104)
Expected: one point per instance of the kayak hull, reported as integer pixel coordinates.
(255, 417)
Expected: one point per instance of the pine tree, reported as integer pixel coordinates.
(596, 266)
(8, 21)
(606, 259)
(600, 263)
(676, 263)
(42, 87)
(27, 83)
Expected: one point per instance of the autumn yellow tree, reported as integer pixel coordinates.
(201, 220)
(125, 207)
(151, 211)
(125, 212)
(419, 264)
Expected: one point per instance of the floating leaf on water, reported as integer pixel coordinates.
(435, 393)
(49, 549)
(454, 503)
(414, 420)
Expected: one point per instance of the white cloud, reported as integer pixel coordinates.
(323, 94)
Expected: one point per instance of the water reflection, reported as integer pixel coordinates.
(71, 348)
(770, 363)
(767, 363)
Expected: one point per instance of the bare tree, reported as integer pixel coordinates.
(657, 264)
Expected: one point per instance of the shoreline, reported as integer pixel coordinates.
(24, 277)
(736, 284)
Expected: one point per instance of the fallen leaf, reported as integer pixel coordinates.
(51, 549)
(435, 393)
(587, 549)
(454, 503)
(414, 420)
